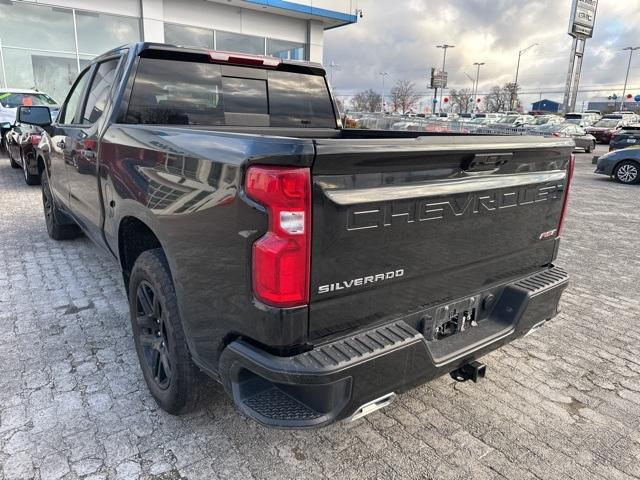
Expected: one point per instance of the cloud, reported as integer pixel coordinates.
(400, 37)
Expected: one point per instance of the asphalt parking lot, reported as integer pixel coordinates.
(563, 403)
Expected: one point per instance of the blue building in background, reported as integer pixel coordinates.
(546, 105)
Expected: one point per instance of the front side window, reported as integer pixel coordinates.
(99, 91)
(70, 115)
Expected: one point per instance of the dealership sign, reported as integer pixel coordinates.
(438, 78)
(583, 18)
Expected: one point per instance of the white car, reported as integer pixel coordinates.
(12, 98)
(582, 119)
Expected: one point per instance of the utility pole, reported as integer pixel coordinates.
(475, 92)
(444, 62)
(383, 75)
(514, 94)
(626, 78)
(332, 66)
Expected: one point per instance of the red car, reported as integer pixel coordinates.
(605, 129)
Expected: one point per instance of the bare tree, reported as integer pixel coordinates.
(495, 101)
(502, 98)
(460, 99)
(404, 97)
(367, 101)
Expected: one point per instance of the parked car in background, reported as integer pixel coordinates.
(12, 98)
(514, 120)
(604, 129)
(21, 143)
(622, 165)
(626, 137)
(597, 113)
(489, 117)
(582, 139)
(582, 119)
(630, 116)
(545, 120)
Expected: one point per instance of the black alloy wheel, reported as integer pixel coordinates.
(173, 380)
(153, 335)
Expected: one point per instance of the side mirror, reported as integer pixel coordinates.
(39, 116)
(5, 125)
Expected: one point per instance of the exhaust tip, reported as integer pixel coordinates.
(373, 406)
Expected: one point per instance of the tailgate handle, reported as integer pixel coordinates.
(487, 162)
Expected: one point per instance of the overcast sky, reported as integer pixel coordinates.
(399, 37)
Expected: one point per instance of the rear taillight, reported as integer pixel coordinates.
(567, 188)
(281, 257)
(35, 140)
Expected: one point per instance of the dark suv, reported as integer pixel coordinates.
(627, 137)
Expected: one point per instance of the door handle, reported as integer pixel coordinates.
(61, 144)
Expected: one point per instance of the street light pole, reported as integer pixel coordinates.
(515, 92)
(333, 66)
(444, 62)
(473, 87)
(626, 78)
(382, 74)
(475, 92)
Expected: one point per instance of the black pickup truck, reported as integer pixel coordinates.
(312, 270)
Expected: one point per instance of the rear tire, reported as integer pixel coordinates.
(13, 163)
(627, 172)
(591, 147)
(174, 381)
(59, 225)
(29, 178)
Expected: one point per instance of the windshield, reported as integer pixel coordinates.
(14, 100)
(541, 120)
(607, 123)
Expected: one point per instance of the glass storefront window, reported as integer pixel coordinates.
(36, 26)
(236, 42)
(53, 73)
(285, 50)
(188, 36)
(99, 32)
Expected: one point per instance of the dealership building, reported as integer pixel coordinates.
(45, 43)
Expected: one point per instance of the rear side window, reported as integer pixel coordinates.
(189, 93)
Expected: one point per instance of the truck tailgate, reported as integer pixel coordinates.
(403, 224)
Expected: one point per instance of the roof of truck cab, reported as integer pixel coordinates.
(140, 47)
